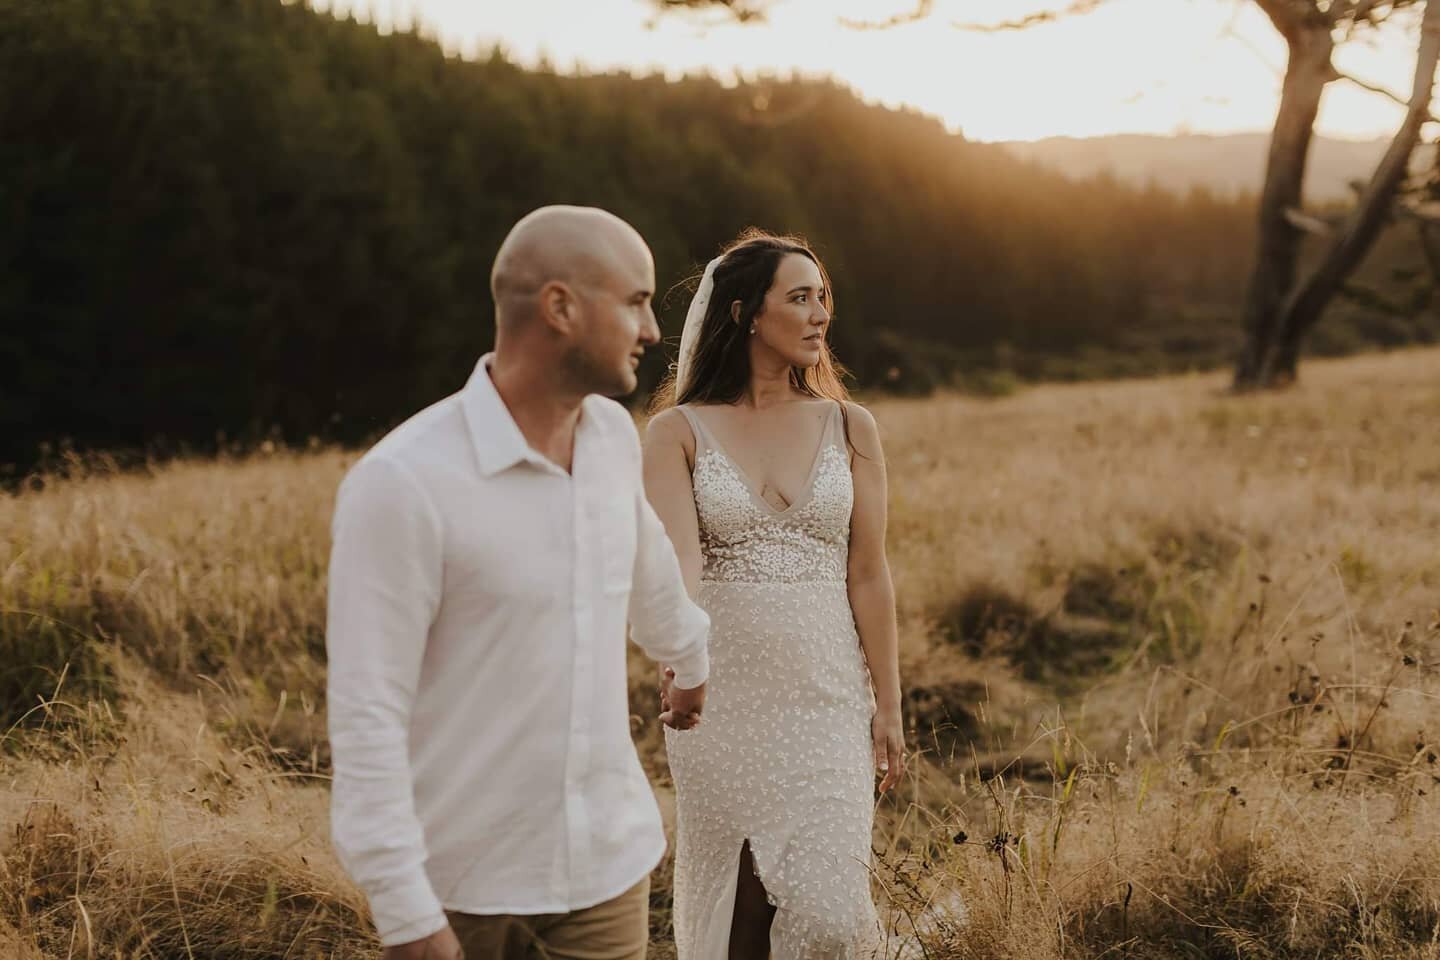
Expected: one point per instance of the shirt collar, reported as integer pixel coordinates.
(498, 442)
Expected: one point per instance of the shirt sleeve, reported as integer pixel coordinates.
(664, 622)
(384, 592)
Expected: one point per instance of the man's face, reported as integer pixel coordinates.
(618, 323)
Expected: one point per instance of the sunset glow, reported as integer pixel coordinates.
(1132, 66)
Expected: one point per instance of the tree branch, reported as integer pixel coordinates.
(1362, 10)
(1374, 88)
(923, 9)
(1076, 8)
(1301, 220)
(1290, 16)
(1340, 11)
(1373, 12)
(743, 11)
(1425, 212)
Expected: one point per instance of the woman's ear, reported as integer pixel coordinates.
(735, 312)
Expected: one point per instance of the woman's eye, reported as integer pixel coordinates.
(801, 299)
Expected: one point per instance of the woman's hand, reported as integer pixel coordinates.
(888, 732)
(679, 708)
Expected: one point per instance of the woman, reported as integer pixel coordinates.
(772, 488)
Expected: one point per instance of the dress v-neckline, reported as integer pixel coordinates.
(806, 495)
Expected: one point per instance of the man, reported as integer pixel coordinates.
(486, 555)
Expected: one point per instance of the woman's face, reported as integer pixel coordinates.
(796, 313)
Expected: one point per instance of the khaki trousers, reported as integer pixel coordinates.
(617, 929)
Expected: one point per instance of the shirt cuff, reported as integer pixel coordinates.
(396, 912)
(693, 670)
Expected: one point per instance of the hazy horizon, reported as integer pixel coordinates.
(1182, 134)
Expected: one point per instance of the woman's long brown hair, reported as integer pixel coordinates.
(720, 370)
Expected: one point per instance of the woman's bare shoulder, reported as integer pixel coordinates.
(864, 431)
(860, 413)
(669, 426)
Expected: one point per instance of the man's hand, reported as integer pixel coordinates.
(681, 707)
(440, 945)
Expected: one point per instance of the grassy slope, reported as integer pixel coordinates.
(1155, 635)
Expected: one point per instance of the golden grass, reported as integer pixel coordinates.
(1153, 635)
(149, 836)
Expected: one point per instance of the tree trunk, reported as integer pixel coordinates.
(1430, 246)
(1304, 306)
(1427, 219)
(1306, 74)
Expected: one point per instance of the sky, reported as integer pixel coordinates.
(1131, 66)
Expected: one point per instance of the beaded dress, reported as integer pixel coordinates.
(783, 757)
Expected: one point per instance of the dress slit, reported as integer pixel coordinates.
(722, 921)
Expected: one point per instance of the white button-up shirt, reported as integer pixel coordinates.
(477, 697)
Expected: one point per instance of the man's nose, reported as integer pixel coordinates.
(650, 329)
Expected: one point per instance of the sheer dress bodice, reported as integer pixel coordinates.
(746, 540)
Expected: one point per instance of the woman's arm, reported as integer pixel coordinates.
(872, 594)
(669, 451)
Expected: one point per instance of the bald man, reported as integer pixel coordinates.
(487, 555)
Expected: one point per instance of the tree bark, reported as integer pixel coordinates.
(1303, 307)
(1430, 246)
(1308, 35)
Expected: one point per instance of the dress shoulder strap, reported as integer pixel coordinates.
(835, 426)
(703, 440)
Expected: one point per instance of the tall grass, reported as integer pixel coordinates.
(1170, 660)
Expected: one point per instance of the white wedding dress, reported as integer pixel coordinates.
(783, 757)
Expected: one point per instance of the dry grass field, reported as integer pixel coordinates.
(1172, 661)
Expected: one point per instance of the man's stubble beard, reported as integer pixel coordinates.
(587, 375)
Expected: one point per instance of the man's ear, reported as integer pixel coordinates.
(558, 307)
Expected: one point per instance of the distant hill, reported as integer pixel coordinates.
(1229, 165)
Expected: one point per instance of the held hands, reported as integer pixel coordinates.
(681, 708)
(889, 736)
(440, 945)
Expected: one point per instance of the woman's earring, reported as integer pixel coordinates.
(752, 329)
